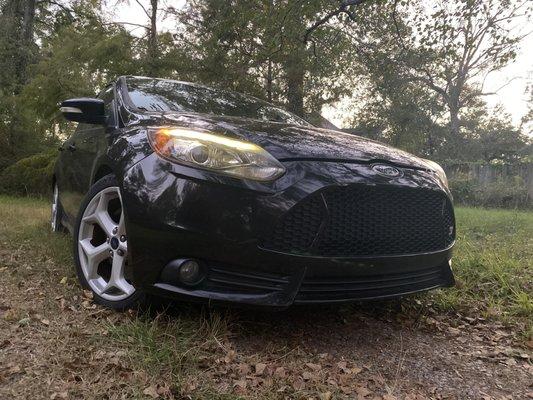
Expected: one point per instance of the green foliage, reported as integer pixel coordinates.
(399, 62)
(503, 193)
(257, 47)
(425, 64)
(29, 176)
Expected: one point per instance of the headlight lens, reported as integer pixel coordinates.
(214, 152)
(439, 171)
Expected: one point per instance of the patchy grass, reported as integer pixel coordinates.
(173, 344)
(190, 351)
(24, 221)
(493, 265)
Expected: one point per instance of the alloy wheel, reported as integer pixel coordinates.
(103, 246)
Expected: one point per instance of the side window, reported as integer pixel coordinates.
(108, 95)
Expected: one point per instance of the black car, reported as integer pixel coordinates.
(177, 189)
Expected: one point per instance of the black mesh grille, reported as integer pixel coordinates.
(370, 286)
(232, 280)
(362, 220)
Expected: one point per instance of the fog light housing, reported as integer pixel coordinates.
(183, 272)
(190, 272)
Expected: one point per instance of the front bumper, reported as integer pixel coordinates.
(175, 212)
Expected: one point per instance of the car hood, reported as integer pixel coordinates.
(293, 142)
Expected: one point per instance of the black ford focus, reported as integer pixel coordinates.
(177, 189)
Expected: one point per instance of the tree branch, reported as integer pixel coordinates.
(126, 23)
(342, 9)
(144, 8)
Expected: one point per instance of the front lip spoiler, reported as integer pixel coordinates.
(291, 292)
(275, 299)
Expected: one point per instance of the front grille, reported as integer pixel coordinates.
(318, 289)
(363, 220)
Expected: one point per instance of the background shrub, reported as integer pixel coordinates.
(31, 176)
(502, 193)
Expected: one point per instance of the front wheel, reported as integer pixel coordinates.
(101, 247)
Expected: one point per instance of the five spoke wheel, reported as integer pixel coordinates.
(103, 246)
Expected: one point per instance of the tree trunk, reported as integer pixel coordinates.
(269, 81)
(28, 22)
(153, 52)
(455, 125)
(24, 14)
(295, 75)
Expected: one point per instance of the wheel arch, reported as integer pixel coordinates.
(101, 171)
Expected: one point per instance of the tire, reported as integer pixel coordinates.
(56, 214)
(100, 247)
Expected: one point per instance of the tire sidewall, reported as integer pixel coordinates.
(58, 224)
(129, 302)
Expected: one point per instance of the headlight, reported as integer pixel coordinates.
(439, 171)
(214, 152)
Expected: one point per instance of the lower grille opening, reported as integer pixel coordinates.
(233, 280)
(314, 289)
(364, 220)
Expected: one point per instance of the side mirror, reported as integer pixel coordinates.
(84, 110)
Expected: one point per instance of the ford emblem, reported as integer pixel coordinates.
(386, 170)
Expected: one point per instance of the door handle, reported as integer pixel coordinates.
(72, 147)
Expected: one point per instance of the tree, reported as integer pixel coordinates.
(259, 47)
(78, 59)
(450, 47)
(492, 136)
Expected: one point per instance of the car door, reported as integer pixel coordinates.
(82, 151)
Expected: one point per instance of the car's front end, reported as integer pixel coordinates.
(325, 217)
(332, 231)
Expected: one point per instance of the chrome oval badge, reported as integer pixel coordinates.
(386, 170)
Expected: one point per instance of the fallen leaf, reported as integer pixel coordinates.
(244, 369)
(63, 280)
(59, 395)
(314, 367)
(280, 372)
(241, 383)
(307, 376)
(230, 356)
(151, 391)
(260, 368)
(11, 315)
(454, 331)
(325, 396)
(362, 391)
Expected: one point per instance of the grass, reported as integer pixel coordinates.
(493, 265)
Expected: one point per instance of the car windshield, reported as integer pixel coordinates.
(162, 95)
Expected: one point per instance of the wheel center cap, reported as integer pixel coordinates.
(114, 243)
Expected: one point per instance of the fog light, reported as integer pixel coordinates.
(190, 272)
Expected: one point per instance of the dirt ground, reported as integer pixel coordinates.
(54, 344)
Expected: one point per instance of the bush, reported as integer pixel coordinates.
(506, 194)
(31, 176)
